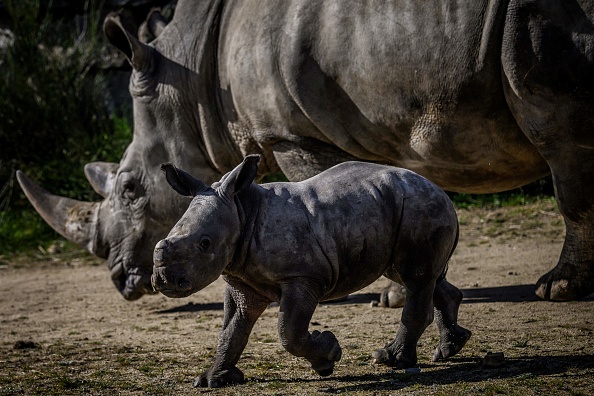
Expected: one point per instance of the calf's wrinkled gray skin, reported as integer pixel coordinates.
(305, 242)
(478, 96)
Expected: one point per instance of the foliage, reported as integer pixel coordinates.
(519, 196)
(53, 113)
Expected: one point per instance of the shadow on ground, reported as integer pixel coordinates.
(192, 307)
(456, 370)
(512, 293)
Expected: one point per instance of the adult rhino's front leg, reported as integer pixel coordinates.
(298, 302)
(242, 308)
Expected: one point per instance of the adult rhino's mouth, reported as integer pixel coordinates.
(132, 283)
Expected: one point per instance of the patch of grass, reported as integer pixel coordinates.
(538, 190)
(520, 344)
(70, 382)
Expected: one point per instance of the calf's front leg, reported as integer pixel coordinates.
(297, 305)
(243, 306)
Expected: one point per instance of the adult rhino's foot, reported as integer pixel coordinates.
(567, 282)
(451, 343)
(324, 366)
(393, 296)
(218, 378)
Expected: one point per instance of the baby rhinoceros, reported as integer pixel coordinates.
(306, 242)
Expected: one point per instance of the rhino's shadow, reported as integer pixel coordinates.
(193, 307)
(456, 370)
(512, 293)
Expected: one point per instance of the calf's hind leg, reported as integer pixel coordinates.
(452, 337)
(416, 316)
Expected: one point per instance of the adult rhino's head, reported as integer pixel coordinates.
(204, 240)
(123, 228)
(138, 209)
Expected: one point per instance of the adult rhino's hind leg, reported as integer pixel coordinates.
(573, 276)
(549, 85)
(452, 337)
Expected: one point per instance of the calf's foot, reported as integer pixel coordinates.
(451, 342)
(394, 355)
(331, 352)
(217, 378)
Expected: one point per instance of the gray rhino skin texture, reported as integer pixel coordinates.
(306, 242)
(478, 96)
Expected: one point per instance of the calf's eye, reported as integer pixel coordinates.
(204, 244)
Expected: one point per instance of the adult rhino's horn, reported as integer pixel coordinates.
(74, 220)
(101, 175)
(137, 53)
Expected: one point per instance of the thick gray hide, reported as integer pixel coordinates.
(479, 96)
(306, 242)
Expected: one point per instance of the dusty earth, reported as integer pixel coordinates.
(65, 330)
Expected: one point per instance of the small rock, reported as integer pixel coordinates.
(26, 345)
(374, 304)
(494, 360)
(413, 370)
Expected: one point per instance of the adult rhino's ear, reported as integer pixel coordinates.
(241, 177)
(152, 26)
(182, 182)
(137, 53)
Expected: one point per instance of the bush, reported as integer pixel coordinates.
(53, 113)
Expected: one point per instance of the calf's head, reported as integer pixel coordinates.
(204, 240)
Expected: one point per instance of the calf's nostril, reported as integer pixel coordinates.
(160, 252)
(183, 284)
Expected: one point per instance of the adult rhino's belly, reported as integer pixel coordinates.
(466, 153)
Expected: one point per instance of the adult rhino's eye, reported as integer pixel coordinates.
(129, 191)
(204, 244)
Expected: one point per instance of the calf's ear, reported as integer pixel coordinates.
(182, 182)
(241, 177)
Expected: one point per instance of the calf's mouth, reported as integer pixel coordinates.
(171, 283)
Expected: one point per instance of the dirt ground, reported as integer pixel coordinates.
(65, 330)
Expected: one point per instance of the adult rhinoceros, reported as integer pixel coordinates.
(478, 96)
